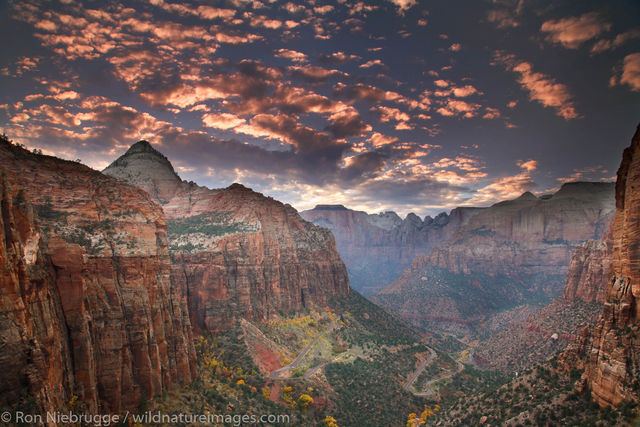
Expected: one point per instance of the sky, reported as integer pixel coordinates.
(404, 105)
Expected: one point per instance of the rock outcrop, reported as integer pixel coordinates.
(510, 255)
(36, 356)
(88, 280)
(612, 368)
(237, 252)
(377, 248)
(530, 239)
(589, 270)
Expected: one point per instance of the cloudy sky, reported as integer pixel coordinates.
(395, 104)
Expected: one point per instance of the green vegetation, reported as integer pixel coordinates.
(541, 396)
(210, 223)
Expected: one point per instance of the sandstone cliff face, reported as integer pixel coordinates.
(612, 369)
(506, 257)
(377, 248)
(560, 323)
(237, 252)
(530, 239)
(589, 271)
(105, 247)
(35, 357)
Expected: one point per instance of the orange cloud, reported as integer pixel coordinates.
(541, 87)
(572, 32)
(222, 121)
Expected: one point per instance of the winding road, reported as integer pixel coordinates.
(427, 386)
(277, 375)
(418, 371)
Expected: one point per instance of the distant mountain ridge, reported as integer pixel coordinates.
(512, 253)
(376, 248)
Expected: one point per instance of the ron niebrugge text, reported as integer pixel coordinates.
(148, 417)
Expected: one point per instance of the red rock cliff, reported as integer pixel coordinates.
(36, 357)
(237, 252)
(612, 369)
(589, 270)
(105, 247)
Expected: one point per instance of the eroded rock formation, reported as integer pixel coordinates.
(612, 368)
(508, 256)
(377, 248)
(237, 252)
(88, 307)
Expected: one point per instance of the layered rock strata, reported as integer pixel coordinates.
(88, 275)
(612, 366)
(237, 252)
(377, 248)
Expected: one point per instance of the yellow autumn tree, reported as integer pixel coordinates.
(266, 392)
(304, 401)
(330, 421)
(287, 394)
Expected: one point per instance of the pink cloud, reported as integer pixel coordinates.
(404, 5)
(572, 32)
(379, 140)
(222, 121)
(541, 87)
(292, 55)
(371, 63)
(630, 73)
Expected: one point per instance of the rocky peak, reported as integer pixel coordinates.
(147, 168)
(527, 196)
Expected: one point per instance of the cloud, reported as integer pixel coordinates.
(222, 121)
(323, 10)
(313, 73)
(336, 58)
(371, 63)
(456, 107)
(292, 55)
(404, 5)
(347, 123)
(572, 32)
(361, 91)
(502, 18)
(507, 14)
(507, 187)
(379, 140)
(619, 40)
(387, 114)
(630, 73)
(541, 87)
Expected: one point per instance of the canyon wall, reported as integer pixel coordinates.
(377, 248)
(612, 347)
(237, 252)
(89, 279)
(506, 261)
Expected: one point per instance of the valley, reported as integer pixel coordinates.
(258, 316)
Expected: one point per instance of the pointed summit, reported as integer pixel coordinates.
(142, 146)
(147, 168)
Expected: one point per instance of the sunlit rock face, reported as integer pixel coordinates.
(87, 304)
(237, 252)
(377, 248)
